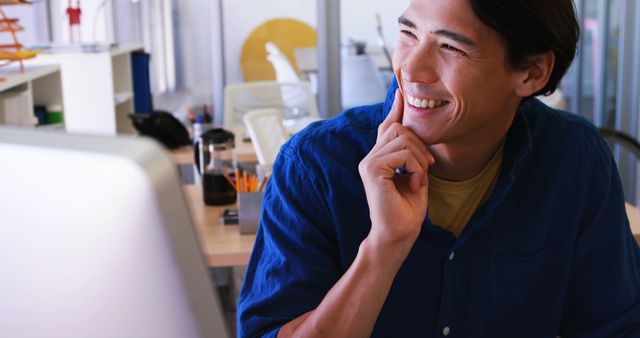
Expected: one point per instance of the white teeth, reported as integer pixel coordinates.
(431, 104)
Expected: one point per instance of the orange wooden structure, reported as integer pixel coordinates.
(13, 52)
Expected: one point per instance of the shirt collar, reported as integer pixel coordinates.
(519, 141)
(388, 102)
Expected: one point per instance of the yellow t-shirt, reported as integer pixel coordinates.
(451, 204)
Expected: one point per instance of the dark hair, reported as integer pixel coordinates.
(531, 27)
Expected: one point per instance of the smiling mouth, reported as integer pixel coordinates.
(425, 103)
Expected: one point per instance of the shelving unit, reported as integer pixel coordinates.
(97, 87)
(37, 85)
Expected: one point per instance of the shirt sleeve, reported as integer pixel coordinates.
(603, 297)
(294, 261)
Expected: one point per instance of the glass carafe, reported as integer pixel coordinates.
(215, 164)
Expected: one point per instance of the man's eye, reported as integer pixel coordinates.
(450, 47)
(407, 33)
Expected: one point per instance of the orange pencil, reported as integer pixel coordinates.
(236, 172)
(264, 182)
(230, 180)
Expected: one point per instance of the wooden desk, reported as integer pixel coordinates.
(222, 245)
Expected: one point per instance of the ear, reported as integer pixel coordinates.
(536, 75)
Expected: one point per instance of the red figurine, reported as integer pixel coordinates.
(74, 21)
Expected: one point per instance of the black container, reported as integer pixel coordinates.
(214, 160)
(216, 190)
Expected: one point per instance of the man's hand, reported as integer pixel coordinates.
(397, 202)
(398, 206)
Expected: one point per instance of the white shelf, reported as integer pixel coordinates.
(13, 77)
(36, 85)
(98, 89)
(122, 98)
(125, 49)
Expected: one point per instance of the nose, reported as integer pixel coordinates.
(420, 65)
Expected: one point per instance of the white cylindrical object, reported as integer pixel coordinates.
(196, 131)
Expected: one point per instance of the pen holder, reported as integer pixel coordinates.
(249, 211)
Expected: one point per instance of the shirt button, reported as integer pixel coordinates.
(452, 255)
(446, 331)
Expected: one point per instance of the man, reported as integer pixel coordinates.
(461, 207)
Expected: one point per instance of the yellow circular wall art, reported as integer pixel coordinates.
(287, 34)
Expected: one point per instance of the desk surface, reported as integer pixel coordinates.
(223, 245)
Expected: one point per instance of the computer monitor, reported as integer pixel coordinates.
(96, 241)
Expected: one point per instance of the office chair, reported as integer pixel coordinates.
(266, 132)
(294, 100)
(626, 151)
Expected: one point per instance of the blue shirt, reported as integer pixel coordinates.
(550, 253)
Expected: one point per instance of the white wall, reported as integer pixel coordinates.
(34, 18)
(192, 31)
(241, 17)
(357, 21)
(127, 21)
(96, 22)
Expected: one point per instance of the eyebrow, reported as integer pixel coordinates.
(406, 22)
(442, 32)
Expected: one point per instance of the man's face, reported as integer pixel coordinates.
(452, 71)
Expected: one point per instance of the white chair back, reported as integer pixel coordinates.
(266, 132)
(294, 100)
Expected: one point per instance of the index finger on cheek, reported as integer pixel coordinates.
(395, 115)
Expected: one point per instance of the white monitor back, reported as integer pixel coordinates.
(96, 241)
